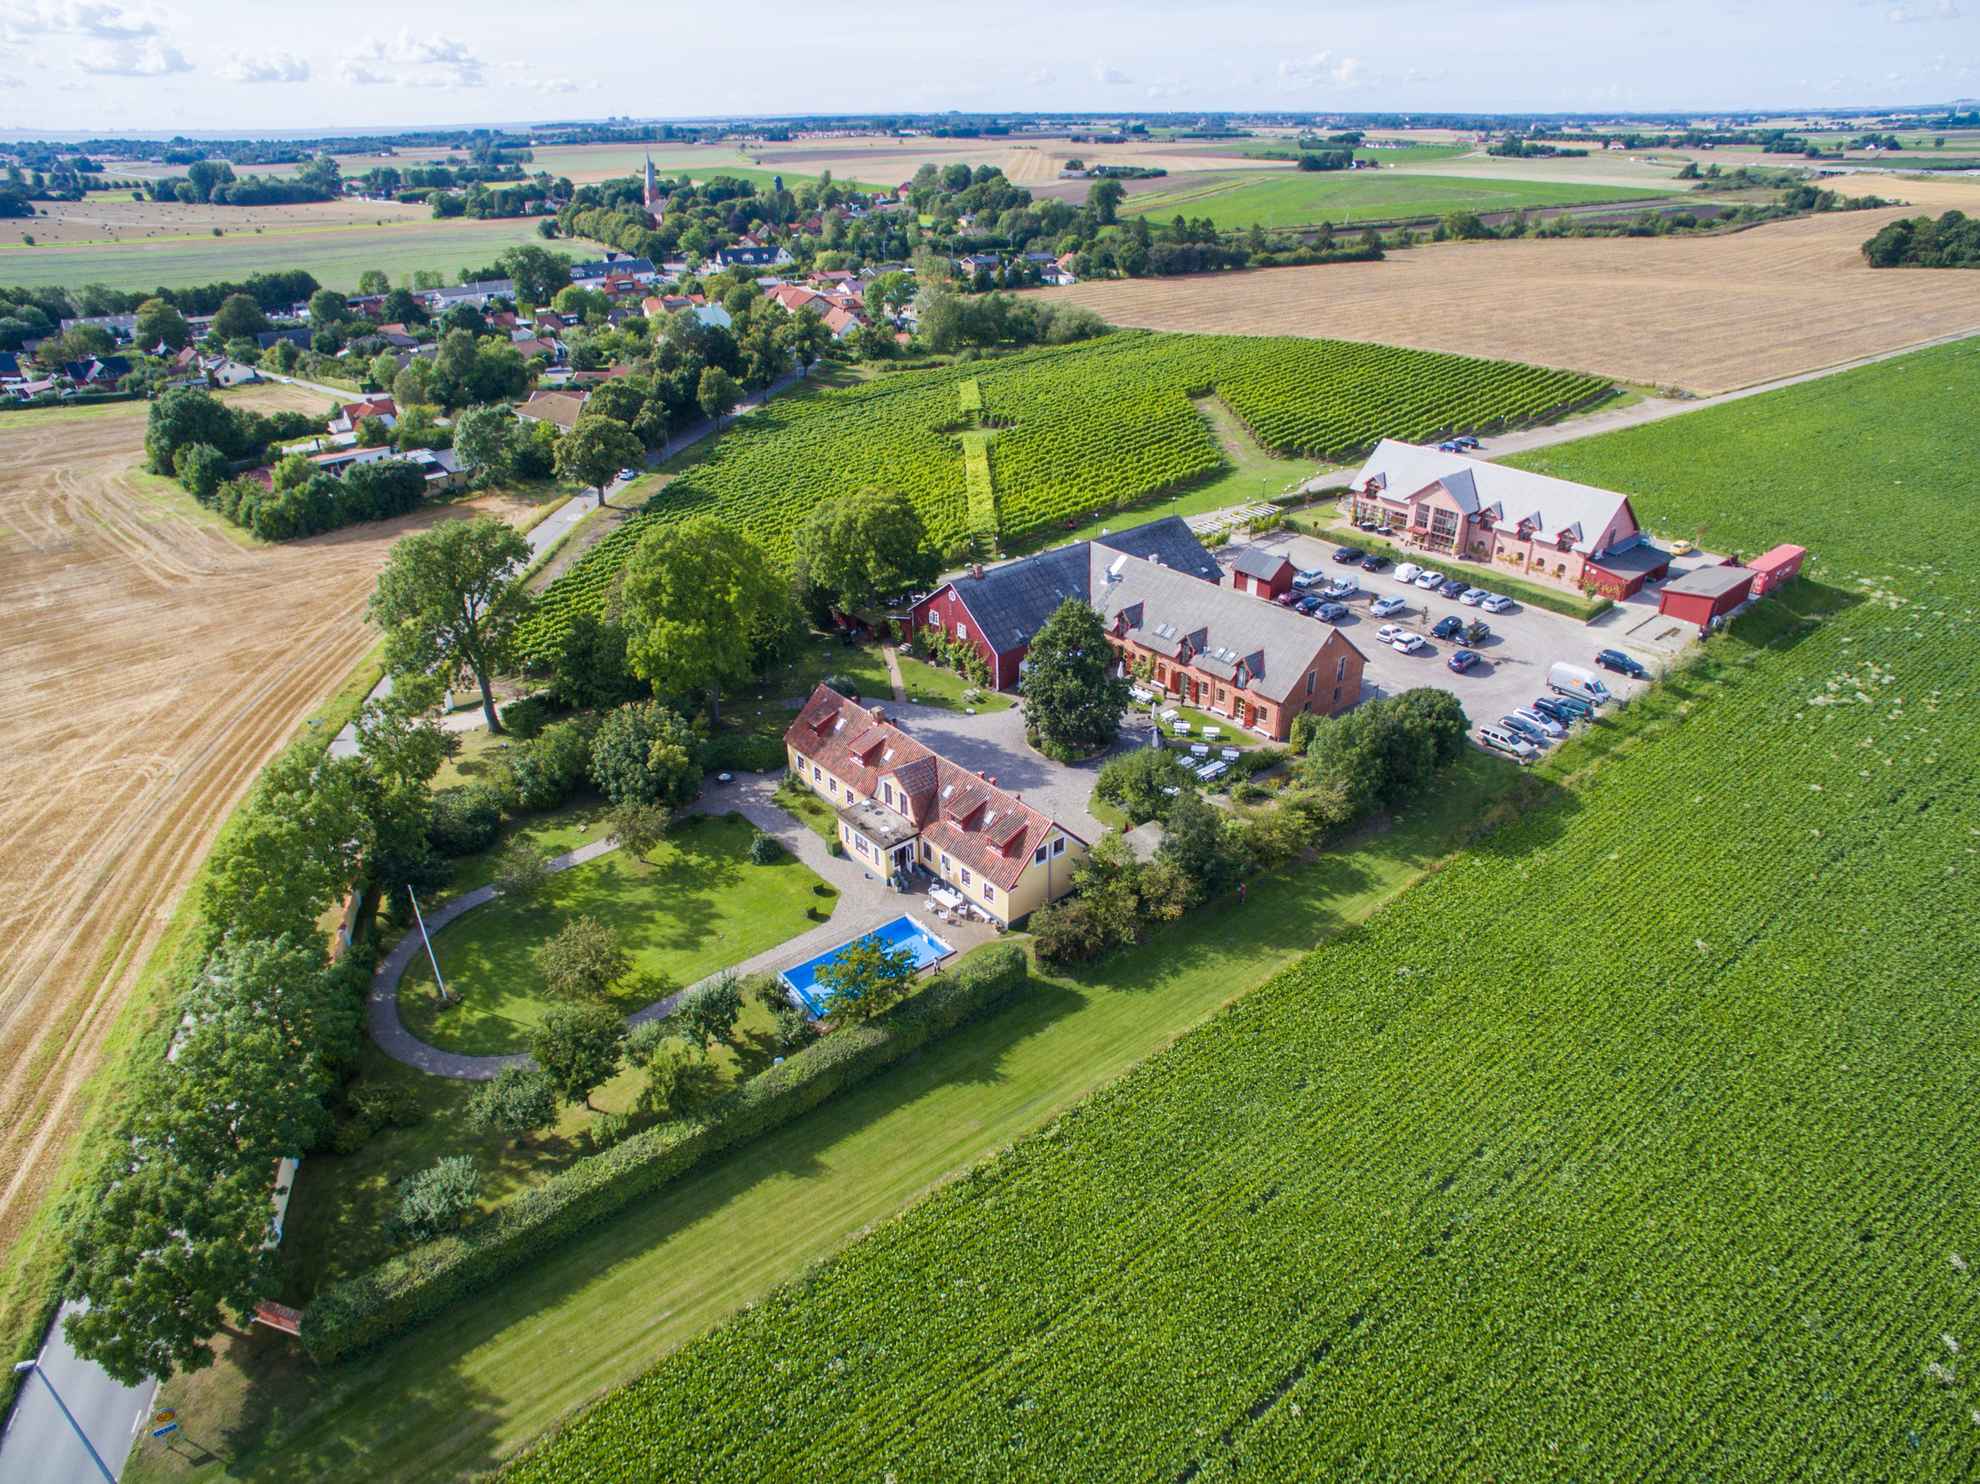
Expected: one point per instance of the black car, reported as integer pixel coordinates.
(1374, 562)
(1308, 603)
(1622, 664)
(1348, 553)
(1448, 628)
(1451, 587)
(1477, 631)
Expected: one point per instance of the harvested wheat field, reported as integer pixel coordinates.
(1708, 314)
(151, 660)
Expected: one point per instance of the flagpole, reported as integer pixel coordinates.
(430, 956)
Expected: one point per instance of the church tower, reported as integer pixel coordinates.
(652, 195)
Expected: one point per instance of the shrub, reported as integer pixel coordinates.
(438, 1200)
(415, 1285)
(645, 753)
(1134, 782)
(521, 870)
(465, 820)
(764, 849)
(550, 769)
(742, 752)
(607, 1129)
(200, 467)
(1069, 932)
(382, 1104)
(524, 719)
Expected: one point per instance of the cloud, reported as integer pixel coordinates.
(1039, 76)
(1321, 69)
(414, 62)
(1169, 90)
(357, 75)
(132, 59)
(551, 85)
(1113, 77)
(1938, 10)
(271, 67)
(79, 18)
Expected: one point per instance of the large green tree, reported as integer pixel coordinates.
(516, 1100)
(160, 323)
(644, 753)
(861, 549)
(867, 976)
(450, 600)
(695, 592)
(536, 272)
(1073, 699)
(595, 450)
(578, 1047)
(239, 316)
(484, 439)
(717, 394)
(583, 961)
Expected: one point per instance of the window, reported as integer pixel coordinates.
(966, 876)
(962, 631)
(934, 619)
(1337, 695)
(1311, 676)
(945, 860)
(887, 792)
(1059, 846)
(815, 774)
(798, 758)
(1340, 670)
(1038, 856)
(989, 892)
(835, 788)
(1443, 523)
(927, 853)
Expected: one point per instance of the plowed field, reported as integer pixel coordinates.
(1708, 314)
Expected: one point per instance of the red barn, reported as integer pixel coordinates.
(1776, 568)
(1705, 595)
(1262, 572)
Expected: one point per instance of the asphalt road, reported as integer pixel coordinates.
(39, 1447)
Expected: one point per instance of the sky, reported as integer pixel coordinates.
(105, 67)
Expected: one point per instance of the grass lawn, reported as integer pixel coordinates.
(936, 685)
(813, 812)
(455, 1396)
(693, 907)
(1299, 198)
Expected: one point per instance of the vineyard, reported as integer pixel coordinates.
(1668, 1174)
(1080, 429)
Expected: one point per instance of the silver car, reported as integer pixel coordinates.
(1540, 719)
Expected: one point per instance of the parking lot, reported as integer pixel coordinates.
(1524, 644)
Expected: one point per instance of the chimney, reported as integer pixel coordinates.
(976, 570)
(879, 713)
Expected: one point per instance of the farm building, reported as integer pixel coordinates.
(1532, 525)
(1220, 650)
(997, 610)
(1705, 595)
(1263, 573)
(904, 809)
(1776, 568)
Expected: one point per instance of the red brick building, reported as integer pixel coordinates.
(1705, 595)
(1263, 574)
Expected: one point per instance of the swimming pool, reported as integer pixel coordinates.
(902, 932)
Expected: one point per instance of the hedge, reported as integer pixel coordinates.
(413, 1286)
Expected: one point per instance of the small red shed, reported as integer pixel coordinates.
(1776, 568)
(1265, 573)
(1705, 595)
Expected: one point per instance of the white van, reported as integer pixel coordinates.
(1510, 743)
(1408, 572)
(1572, 680)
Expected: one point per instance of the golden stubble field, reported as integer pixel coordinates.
(117, 218)
(1707, 314)
(150, 664)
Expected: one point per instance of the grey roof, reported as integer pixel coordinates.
(1256, 562)
(1010, 603)
(1709, 582)
(1637, 556)
(1553, 507)
(605, 266)
(1226, 628)
(301, 338)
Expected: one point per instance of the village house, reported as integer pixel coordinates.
(1530, 525)
(1221, 650)
(350, 414)
(998, 610)
(593, 275)
(480, 294)
(904, 809)
(558, 407)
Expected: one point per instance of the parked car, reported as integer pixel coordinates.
(1511, 743)
(1467, 441)
(1374, 562)
(1342, 587)
(1471, 597)
(1407, 643)
(1477, 631)
(1682, 548)
(1348, 553)
(1512, 721)
(1305, 579)
(1408, 572)
(1430, 582)
(1451, 445)
(1390, 632)
(1572, 680)
(1462, 659)
(1383, 607)
(1450, 587)
(1448, 628)
(1331, 612)
(1622, 664)
(1308, 603)
(1288, 598)
(1540, 719)
(1564, 709)
(625, 474)
(1495, 602)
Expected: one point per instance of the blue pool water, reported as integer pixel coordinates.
(902, 932)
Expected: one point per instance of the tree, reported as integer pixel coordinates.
(865, 978)
(516, 1100)
(805, 337)
(716, 394)
(1138, 782)
(373, 281)
(292, 850)
(578, 1047)
(160, 323)
(708, 1014)
(484, 439)
(864, 548)
(449, 598)
(590, 668)
(595, 450)
(200, 467)
(536, 272)
(1103, 199)
(583, 961)
(520, 870)
(327, 307)
(1196, 843)
(644, 753)
(438, 1200)
(187, 415)
(384, 368)
(639, 827)
(1073, 698)
(679, 1077)
(695, 592)
(239, 317)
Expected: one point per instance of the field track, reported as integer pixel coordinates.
(1708, 314)
(151, 663)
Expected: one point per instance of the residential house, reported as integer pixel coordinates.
(748, 257)
(232, 373)
(593, 275)
(119, 327)
(10, 366)
(300, 338)
(795, 298)
(1221, 650)
(1531, 525)
(480, 294)
(842, 321)
(561, 408)
(903, 808)
(550, 350)
(98, 371)
(350, 414)
(715, 315)
(971, 264)
(998, 610)
(439, 466)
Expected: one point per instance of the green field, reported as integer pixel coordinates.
(1079, 432)
(1636, 1142)
(693, 907)
(1298, 198)
(1408, 154)
(458, 1394)
(336, 255)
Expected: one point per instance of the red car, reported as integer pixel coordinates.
(1287, 599)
